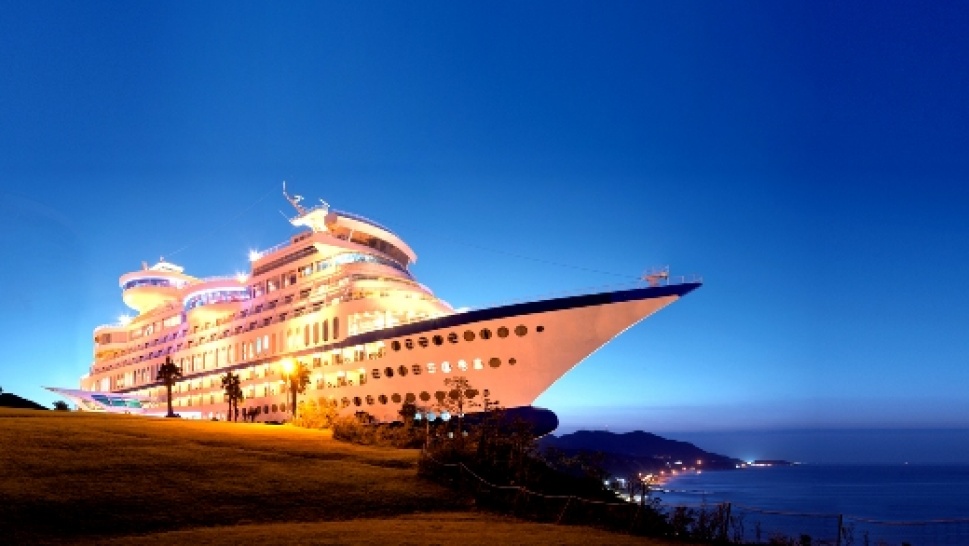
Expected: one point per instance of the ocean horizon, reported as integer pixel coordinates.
(875, 503)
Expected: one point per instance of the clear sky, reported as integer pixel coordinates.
(809, 159)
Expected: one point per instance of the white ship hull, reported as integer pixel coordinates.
(340, 300)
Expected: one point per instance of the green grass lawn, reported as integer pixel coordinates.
(82, 477)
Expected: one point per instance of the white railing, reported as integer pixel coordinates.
(271, 249)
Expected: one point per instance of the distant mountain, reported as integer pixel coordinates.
(633, 452)
(10, 400)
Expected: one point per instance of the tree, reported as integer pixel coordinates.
(61, 405)
(233, 392)
(458, 398)
(169, 373)
(297, 378)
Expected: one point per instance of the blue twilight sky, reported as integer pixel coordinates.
(809, 159)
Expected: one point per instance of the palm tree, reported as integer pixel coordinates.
(233, 392)
(168, 373)
(298, 378)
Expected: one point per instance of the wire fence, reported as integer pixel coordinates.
(723, 523)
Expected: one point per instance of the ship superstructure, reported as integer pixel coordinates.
(339, 298)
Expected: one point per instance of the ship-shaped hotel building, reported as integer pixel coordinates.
(338, 297)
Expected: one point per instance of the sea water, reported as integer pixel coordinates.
(875, 504)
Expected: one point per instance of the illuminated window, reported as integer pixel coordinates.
(430, 367)
(446, 367)
(462, 366)
(477, 364)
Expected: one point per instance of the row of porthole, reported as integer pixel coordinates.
(446, 367)
(469, 335)
(397, 398)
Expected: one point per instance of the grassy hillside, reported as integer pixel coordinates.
(79, 477)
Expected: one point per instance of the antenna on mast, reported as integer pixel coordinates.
(294, 200)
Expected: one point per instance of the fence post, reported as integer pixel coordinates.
(564, 508)
(724, 529)
(840, 527)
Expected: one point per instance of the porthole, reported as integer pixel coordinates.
(446, 367)
(502, 332)
(345, 402)
(477, 364)
(375, 373)
(357, 401)
(425, 396)
(388, 371)
(395, 345)
(409, 343)
(382, 399)
(395, 398)
(369, 400)
(422, 341)
(438, 340)
(454, 394)
(486, 393)
(416, 368)
(440, 395)
(275, 408)
(452, 337)
(521, 330)
(410, 398)
(494, 362)
(402, 370)
(471, 393)
(539, 328)
(485, 333)
(468, 335)
(462, 365)
(512, 361)
(431, 368)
